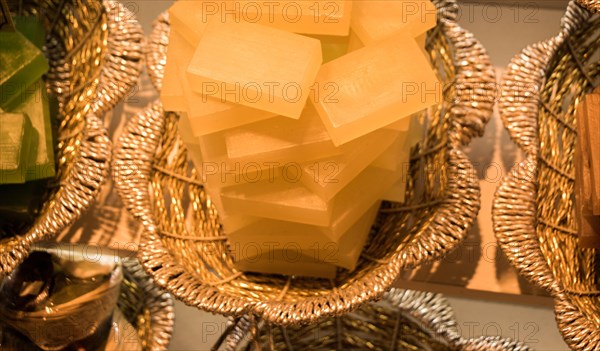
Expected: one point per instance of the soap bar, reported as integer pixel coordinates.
(189, 18)
(397, 192)
(333, 46)
(328, 176)
(280, 199)
(206, 114)
(35, 104)
(374, 20)
(265, 150)
(280, 140)
(354, 42)
(32, 29)
(17, 138)
(260, 67)
(190, 141)
(393, 75)
(331, 17)
(287, 201)
(21, 64)
(269, 238)
(229, 222)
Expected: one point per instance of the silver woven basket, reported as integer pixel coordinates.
(403, 320)
(534, 207)
(94, 49)
(160, 188)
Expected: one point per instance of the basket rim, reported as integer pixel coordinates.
(431, 311)
(468, 121)
(95, 147)
(160, 304)
(523, 248)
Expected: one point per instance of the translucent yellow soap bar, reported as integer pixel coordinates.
(286, 200)
(328, 176)
(332, 46)
(393, 75)
(206, 115)
(374, 20)
(394, 157)
(285, 241)
(189, 18)
(280, 140)
(280, 199)
(357, 197)
(255, 66)
(331, 17)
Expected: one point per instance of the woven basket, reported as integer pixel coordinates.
(592, 5)
(94, 50)
(533, 212)
(183, 246)
(403, 320)
(149, 311)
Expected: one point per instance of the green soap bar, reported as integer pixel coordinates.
(32, 29)
(17, 139)
(21, 64)
(35, 105)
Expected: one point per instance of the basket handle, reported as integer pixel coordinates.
(475, 84)
(577, 329)
(521, 85)
(514, 218)
(132, 162)
(123, 59)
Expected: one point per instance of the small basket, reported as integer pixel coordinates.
(184, 248)
(534, 207)
(94, 49)
(403, 320)
(146, 308)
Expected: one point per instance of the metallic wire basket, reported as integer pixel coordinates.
(184, 248)
(534, 212)
(403, 320)
(148, 310)
(592, 5)
(94, 49)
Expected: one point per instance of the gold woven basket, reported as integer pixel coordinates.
(148, 310)
(403, 320)
(534, 209)
(184, 248)
(94, 49)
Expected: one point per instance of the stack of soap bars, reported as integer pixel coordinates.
(26, 144)
(300, 126)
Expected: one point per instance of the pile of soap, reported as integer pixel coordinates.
(299, 117)
(26, 144)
